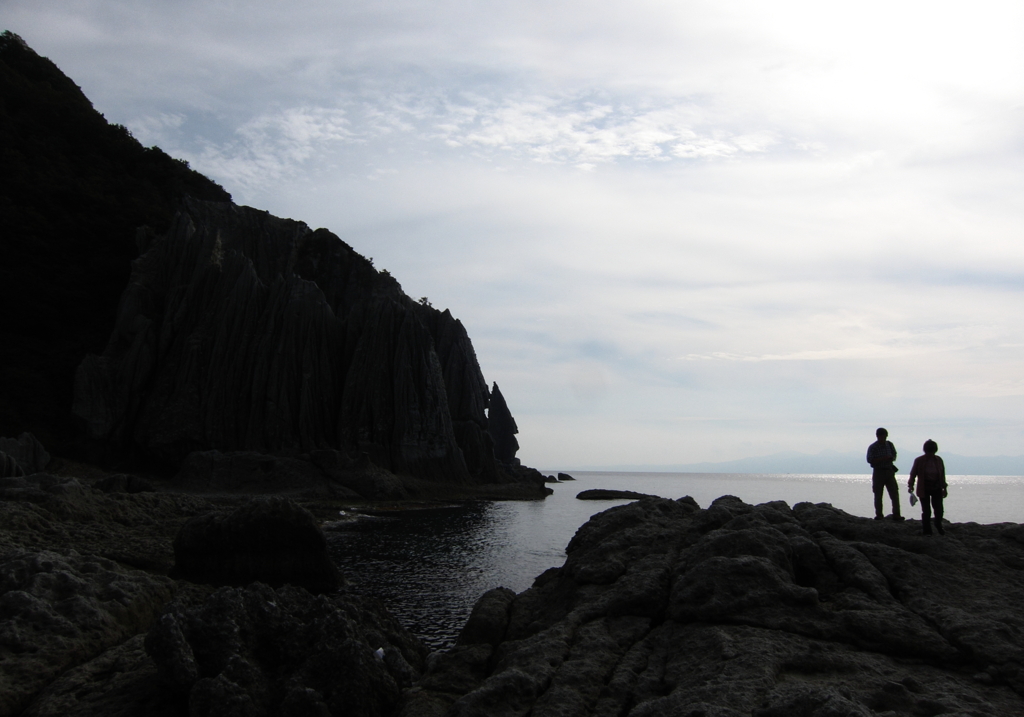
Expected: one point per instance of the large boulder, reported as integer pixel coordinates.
(269, 539)
(258, 651)
(663, 608)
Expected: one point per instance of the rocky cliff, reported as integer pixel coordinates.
(242, 331)
(663, 608)
(232, 329)
(73, 189)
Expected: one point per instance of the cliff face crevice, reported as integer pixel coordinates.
(243, 331)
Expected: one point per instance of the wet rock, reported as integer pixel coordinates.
(565, 476)
(606, 494)
(60, 610)
(260, 651)
(663, 608)
(269, 539)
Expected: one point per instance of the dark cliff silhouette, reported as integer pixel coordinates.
(243, 331)
(176, 321)
(73, 189)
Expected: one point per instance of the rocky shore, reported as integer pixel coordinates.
(91, 561)
(661, 608)
(664, 608)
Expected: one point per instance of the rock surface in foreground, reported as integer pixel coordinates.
(663, 608)
(256, 651)
(57, 611)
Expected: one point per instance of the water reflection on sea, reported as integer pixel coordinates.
(429, 567)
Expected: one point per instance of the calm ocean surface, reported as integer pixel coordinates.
(429, 568)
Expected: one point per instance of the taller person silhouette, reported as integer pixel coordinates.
(881, 455)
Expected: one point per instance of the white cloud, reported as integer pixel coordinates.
(157, 129)
(274, 147)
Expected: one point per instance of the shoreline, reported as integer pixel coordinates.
(62, 526)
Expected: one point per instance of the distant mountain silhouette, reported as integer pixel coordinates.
(833, 462)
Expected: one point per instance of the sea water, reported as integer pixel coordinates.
(429, 567)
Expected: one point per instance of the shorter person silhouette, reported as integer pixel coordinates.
(881, 455)
(930, 472)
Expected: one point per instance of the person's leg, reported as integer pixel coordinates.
(926, 512)
(894, 496)
(878, 487)
(937, 502)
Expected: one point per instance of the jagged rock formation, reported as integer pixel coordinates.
(503, 429)
(269, 539)
(285, 653)
(244, 332)
(663, 608)
(73, 190)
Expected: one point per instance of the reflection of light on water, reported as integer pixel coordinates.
(430, 568)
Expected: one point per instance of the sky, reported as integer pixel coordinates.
(675, 231)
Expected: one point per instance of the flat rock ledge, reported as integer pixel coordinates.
(604, 494)
(663, 608)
